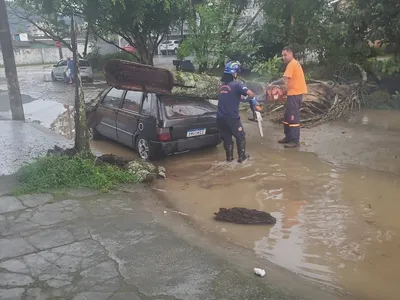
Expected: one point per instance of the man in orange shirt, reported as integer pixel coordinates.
(296, 87)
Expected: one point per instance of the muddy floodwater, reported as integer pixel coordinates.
(337, 216)
(336, 200)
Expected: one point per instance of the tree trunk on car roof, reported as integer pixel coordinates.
(205, 86)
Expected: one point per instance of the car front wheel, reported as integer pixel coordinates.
(53, 78)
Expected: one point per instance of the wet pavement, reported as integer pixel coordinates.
(43, 100)
(21, 142)
(88, 246)
(335, 200)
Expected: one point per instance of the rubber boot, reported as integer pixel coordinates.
(229, 153)
(283, 141)
(242, 151)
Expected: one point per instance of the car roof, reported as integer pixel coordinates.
(180, 96)
(63, 59)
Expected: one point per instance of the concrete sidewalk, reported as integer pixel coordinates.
(23, 141)
(93, 246)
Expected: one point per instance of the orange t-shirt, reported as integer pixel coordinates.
(297, 83)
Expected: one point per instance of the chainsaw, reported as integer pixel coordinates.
(256, 116)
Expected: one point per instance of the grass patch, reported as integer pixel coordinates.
(61, 171)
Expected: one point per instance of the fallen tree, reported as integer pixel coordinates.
(325, 101)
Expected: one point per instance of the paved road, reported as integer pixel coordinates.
(43, 100)
(86, 246)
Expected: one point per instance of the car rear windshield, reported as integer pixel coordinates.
(178, 107)
(84, 63)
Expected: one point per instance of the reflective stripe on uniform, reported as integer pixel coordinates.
(291, 125)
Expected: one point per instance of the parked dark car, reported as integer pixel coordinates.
(155, 124)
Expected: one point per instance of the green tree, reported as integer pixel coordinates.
(47, 21)
(300, 24)
(217, 30)
(334, 30)
(142, 23)
(378, 21)
(57, 13)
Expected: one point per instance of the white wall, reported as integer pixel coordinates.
(104, 48)
(26, 56)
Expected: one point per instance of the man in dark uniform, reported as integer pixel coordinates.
(231, 93)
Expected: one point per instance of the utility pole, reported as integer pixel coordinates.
(14, 93)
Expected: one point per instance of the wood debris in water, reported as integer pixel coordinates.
(241, 215)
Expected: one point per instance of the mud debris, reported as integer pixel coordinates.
(241, 215)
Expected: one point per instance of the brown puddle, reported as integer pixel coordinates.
(337, 224)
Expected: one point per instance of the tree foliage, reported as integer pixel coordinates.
(40, 15)
(305, 25)
(332, 29)
(217, 31)
(142, 23)
(54, 15)
(378, 20)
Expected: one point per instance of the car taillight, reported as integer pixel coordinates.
(163, 134)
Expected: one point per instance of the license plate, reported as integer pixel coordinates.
(196, 132)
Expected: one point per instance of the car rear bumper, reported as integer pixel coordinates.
(87, 76)
(198, 142)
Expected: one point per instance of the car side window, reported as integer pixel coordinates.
(146, 105)
(132, 101)
(62, 63)
(113, 98)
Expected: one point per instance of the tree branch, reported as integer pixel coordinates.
(46, 31)
(249, 24)
(112, 43)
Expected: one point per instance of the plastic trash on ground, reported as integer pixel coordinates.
(259, 272)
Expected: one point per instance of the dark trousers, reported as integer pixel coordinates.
(229, 127)
(291, 120)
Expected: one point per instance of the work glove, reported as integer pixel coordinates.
(254, 105)
(253, 102)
